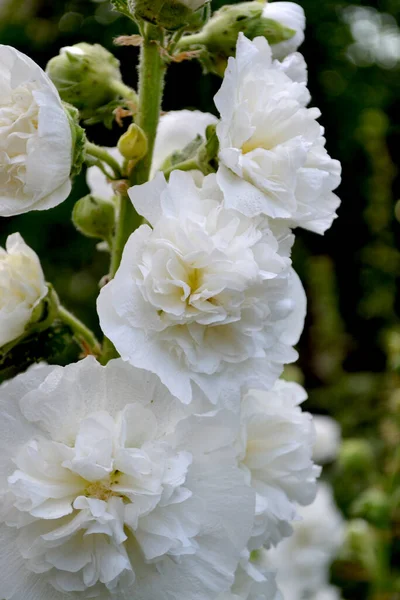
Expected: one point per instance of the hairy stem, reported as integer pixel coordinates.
(104, 156)
(151, 85)
(84, 336)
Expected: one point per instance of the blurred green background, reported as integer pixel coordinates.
(350, 350)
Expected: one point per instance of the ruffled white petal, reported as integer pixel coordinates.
(35, 137)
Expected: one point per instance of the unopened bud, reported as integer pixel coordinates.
(219, 36)
(356, 455)
(94, 217)
(360, 545)
(86, 76)
(372, 505)
(170, 14)
(133, 144)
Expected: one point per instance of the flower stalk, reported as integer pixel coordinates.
(92, 150)
(83, 335)
(151, 85)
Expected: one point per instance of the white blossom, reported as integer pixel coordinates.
(326, 593)
(204, 296)
(35, 137)
(112, 489)
(274, 450)
(252, 582)
(304, 559)
(327, 441)
(272, 155)
(290, 15)
(22, 287)
(176, 130)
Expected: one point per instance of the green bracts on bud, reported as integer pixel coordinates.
(199, 155)
(133, 143)
(169, 14)
(94, 217)
(78, 139)
(219, 36)
(88, 77)
(122, 7)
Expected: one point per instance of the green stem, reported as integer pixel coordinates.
(104, 156)
(81, 332)
(151, 85)
(189, 42)
(188, 165)
(126, 92)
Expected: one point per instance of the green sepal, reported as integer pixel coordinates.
(78, 139)
(200, 154)
(122, 7)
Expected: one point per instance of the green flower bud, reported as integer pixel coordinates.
(373, 505)
(94, 217)
(356, 455)
(360, 545)
(87, 76)
(219, 36)
(133, 144)
(170, 14)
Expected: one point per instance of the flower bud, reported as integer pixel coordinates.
(170, 14)
(219, 36)
(86, 76)
(133, 144)
(94, 217)
(290, 15)
(372, 505)
(360, 545)
(356, 455)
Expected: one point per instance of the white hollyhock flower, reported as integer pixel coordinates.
(111, 490)
(272, 151)
(22, 287)
(176, 130)
(274, 450)
(203, 297)
(35, 137)
(97, 181)
(304, 559)
(327, 441)
(252, 582)
(290, 15)
(327, 593)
